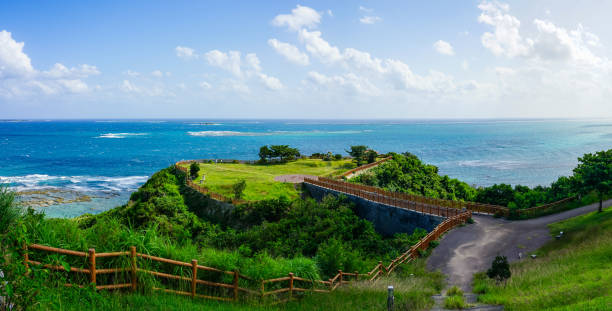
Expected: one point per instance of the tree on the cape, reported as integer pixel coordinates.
(265, 153)
(194, 168)
(358, 153)
(594, 173)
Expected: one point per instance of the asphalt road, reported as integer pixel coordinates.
(470, 249)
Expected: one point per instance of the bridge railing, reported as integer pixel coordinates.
(439, 207)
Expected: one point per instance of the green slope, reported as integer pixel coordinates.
(573, 273)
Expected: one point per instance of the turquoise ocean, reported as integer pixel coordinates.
(105, 160)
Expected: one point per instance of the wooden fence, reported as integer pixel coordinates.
(364, 167)
(234, 290)
(423, 204)
(543, 209)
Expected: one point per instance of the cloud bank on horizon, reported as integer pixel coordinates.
(318, 62)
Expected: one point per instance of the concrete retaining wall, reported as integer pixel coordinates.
(387, 219)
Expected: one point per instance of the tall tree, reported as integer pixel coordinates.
(594, 173)
(194, 168)
(358, 153)
(265, 153)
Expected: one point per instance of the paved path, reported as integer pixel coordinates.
(470, 249)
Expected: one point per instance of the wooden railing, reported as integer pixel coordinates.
(236, 289)
(364, 167)
(445, 208)
(537, 210)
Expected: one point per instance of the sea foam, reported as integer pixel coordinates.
(77, 183)
(120, 135)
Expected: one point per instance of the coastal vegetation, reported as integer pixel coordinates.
(279, 153)
(274, 231)
(591, 181)
(571, 273)
(408, 174)
(267, 238)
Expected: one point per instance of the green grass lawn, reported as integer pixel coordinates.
(573, 273)
(259, 179)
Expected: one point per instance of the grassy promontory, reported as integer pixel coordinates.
(259, 178)
(268, 239)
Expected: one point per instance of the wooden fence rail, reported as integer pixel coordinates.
(534, 211)
(294, 283)
(364, 167)
(402, 200)
(445, 208)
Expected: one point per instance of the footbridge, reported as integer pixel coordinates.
(393, 212)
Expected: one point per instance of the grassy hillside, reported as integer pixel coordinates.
(572, 273)
(270, 239)
(259, 178)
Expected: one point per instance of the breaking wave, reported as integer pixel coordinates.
(76, 183)
(120, 135)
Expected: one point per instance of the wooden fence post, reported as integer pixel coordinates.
(263, 288)
(290, 285)
(133, 260)
(25, 257)
(236, 285)
(92, 266)
(356, 276)
(340, 278)
(194, 276)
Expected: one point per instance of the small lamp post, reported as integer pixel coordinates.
(390, 298)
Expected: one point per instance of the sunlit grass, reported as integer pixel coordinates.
(259, 179)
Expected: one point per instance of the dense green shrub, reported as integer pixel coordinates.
(194, 168)
(407, 173)
(9, 212)
(500, 269)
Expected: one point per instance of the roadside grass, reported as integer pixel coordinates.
(572, 273)
(413, 287)
(259, 178)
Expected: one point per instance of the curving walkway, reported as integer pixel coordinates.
(471, 249)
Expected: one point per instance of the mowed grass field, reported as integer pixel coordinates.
(259, 178)
(573, 273)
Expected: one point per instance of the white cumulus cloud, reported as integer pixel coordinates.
(185, 52)
(300, 17)
(370, 19)
(290, 52)
(13, 61)
(444, 48)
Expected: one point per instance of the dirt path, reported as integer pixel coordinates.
(470, 249)
(296, 178)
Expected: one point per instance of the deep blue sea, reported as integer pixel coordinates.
(108, 159)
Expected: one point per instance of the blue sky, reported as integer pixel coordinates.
(308, 59)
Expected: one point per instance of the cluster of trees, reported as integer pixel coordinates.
(593, 174)
(362, 154)
(282, 153)
(326, 156)
(408, 174)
